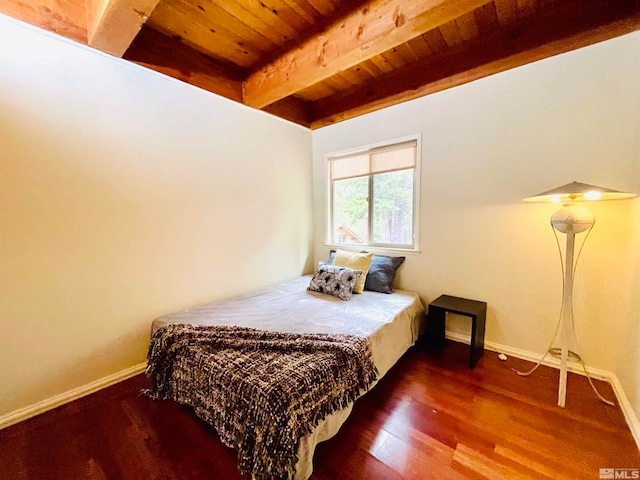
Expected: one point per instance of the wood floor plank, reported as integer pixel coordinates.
(430, 417)
(416, 463)
(548, 467)
(490, 468)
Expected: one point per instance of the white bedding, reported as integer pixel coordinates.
(391, 322)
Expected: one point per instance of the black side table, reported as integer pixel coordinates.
(462, 306)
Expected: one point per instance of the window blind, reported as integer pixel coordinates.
(376, 160)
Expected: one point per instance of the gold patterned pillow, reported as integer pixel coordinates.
(355, 261)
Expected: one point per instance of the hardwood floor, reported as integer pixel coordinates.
(430, 417)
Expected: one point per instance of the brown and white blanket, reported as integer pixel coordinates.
(262, 391)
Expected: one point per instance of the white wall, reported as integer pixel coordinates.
(125, 195)
(487, 145)
(628, 351)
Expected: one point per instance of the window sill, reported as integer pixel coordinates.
(369, 248)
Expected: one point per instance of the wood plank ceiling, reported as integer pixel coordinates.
(317, 62)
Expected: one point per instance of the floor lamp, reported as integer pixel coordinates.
(571, 219)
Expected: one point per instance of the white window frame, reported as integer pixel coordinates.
(416, 195)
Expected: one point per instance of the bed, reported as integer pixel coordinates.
(390, 322)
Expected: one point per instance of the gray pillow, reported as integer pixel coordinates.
(336, 281)
(381, 272)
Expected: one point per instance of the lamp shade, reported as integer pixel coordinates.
(578, 192)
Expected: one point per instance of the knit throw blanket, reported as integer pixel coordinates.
(262, 391)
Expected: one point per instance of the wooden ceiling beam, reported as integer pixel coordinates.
(570, 25)
(370, 30)
(171, 57)
(64, 17)
(113, 24)
(292, 109)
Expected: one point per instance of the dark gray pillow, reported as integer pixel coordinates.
(336, 281)
(381, 272)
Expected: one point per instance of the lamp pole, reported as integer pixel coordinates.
(570, 219)
(566, 313)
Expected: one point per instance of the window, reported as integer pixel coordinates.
(373, 195)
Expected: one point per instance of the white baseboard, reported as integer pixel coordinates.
(575, 367)
(549, 361)
(627, 410)
(68, 396)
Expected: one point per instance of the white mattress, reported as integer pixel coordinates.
(391, 322)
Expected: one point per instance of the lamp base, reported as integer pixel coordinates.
(557, 353)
